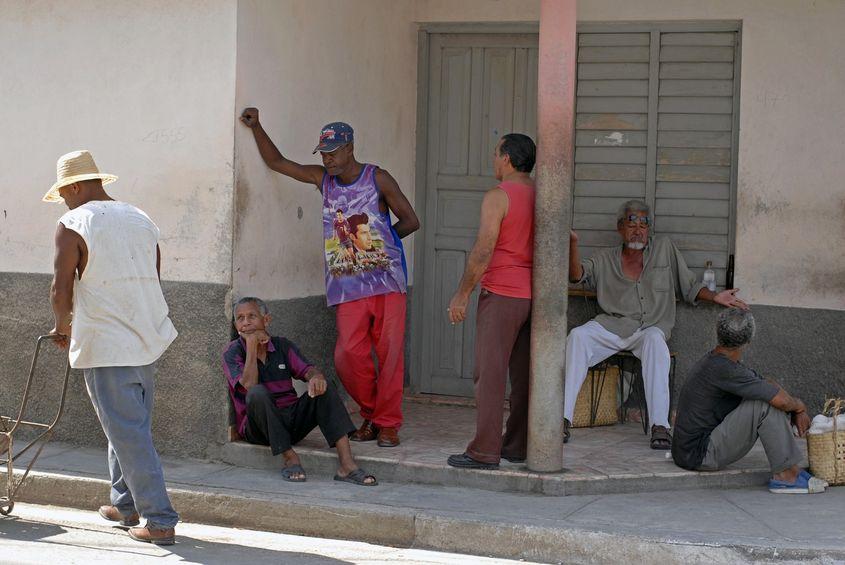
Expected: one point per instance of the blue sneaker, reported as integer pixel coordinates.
(805, 473)
(804, 484)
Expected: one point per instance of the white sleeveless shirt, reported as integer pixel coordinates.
(119, 313)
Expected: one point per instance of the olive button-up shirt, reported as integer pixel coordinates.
(630, 305)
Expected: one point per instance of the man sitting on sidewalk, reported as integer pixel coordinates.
(725, 406)
(259, 369)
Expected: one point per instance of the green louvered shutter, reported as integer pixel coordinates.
(656, 119)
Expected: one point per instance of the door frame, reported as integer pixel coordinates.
(424, 33)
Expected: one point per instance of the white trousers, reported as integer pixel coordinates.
(591, 343)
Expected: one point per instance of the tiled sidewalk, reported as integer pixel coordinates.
(610, 459)
(433, 431)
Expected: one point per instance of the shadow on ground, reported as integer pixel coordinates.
(213, 553)
(12, 527)
(191, 550)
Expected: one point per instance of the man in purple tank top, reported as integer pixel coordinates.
(366, 277)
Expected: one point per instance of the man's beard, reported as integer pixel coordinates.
(635, 245)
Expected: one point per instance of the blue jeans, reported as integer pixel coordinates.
(123, 400)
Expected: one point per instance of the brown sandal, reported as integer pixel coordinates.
(660, 438)
(367, 432)
(358, 477)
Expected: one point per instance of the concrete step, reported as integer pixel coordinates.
(510, 477)
(737, 526)
(600, 460)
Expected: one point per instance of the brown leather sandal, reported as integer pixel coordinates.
(358, 477)
(660, 438)
(367, 432)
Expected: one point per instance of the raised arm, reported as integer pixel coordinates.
(493, 210)
(65, 263)
(576, 270)
(311, 174)
(396, 201)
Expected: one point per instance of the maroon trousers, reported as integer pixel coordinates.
(502, 347)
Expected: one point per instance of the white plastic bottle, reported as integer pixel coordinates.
(710, 277)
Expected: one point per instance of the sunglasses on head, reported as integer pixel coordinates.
(635, 219)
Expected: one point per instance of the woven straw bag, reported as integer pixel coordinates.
(604, 396)
(826, 452)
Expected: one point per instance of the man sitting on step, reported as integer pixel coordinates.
(725, 406)
(259, 369)
(636, 284)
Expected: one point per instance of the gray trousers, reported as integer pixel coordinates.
(738, 432)
(123, 400)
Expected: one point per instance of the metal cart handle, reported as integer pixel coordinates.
(25, 398)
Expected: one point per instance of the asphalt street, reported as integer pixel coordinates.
(47, 534)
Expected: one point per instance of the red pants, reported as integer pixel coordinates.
(371, 323)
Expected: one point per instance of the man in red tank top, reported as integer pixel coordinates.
(502, 259)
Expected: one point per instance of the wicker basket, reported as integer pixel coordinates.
(826, 452)
(604, 395)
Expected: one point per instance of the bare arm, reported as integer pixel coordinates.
(396, 201)
(65, 263)
(576, 270)
(316, 380)
(726, 298)
(794, 406)
(493, 210)
(249, 378)
(311, 174)
(786, 402)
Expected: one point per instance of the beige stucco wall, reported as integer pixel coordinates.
(148, 88)
(791, 179)
(304, 64)
(791, 197)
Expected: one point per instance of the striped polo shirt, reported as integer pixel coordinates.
(284, 362)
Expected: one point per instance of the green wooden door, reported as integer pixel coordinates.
(480, 88)
(656, 119)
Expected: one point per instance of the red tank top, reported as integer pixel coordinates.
(509, 271)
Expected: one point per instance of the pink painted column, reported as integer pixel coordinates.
(555, 130)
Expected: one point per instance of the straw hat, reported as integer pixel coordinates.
(74, 167)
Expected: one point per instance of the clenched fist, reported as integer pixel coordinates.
(250, 117)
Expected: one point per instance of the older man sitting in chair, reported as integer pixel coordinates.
(636, 284)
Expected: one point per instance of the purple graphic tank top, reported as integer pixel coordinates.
(364, 255)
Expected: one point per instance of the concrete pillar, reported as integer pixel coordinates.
(555, 132)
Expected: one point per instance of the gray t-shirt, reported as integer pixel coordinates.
(715, 387)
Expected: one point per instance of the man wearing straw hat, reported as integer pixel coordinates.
(111, 314)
